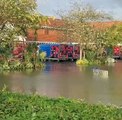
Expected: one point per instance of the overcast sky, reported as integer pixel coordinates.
(49, 7)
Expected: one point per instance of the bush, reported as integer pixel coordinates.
(82, 62)
(42, 56)
(26, 107)
(15, 65)
(5, 66)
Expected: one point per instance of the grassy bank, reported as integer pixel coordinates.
(25, 107)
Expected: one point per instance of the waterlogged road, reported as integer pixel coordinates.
(65, 79)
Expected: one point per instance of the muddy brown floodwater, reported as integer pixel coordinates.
(65, 79)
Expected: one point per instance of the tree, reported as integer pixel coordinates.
(16, 17)
(20, 14)
(78, 24)
(114, 34)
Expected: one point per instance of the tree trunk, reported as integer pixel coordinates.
(35, 35)
(84, 54)
(81, 53)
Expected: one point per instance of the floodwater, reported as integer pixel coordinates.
(65, 79)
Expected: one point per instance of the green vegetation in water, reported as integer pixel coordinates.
(31, 60)
(89, 62)
(15, 106)
(92, 57)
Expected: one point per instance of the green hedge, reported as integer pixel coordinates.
(26, 107)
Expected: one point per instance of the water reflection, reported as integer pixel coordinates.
(68, 80)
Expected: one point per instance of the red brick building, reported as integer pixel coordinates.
(51, 32)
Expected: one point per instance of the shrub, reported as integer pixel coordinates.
(5, 66)
(82, 62)
(42, 56)
(32, 107)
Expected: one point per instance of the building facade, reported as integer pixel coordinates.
(53, 30)
(49, 32)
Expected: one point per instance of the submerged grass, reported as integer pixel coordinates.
(14, 106)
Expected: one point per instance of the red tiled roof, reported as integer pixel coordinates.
(54, 23)
(105, 24)
(59, 23)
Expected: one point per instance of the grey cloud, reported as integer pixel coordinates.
(118, 2)
(114, 7)
(102, 3)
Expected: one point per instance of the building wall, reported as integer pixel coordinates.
(44, 35)
(53, 34)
